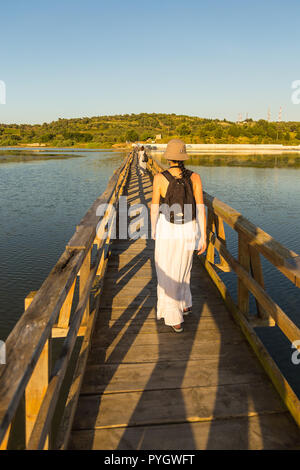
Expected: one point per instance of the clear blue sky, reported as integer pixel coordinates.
(210, 58)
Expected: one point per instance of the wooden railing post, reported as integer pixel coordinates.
(210, 251)
(84, 275)
(220, 232)
(4, 443)
(244, 260)
(37, 385)
(257, 274)
(65, 312)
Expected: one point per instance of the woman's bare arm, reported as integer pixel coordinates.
(155, 203)
(201, 214)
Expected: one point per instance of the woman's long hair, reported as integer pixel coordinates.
(184, 171)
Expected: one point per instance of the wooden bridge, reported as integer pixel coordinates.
(90, 367)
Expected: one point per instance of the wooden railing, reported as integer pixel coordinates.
(252, 242)
(30, 385)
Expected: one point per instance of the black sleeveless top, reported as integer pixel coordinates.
(178, 205)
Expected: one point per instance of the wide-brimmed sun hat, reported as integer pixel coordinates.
(176, 150)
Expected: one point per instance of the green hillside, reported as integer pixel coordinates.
(107, 131)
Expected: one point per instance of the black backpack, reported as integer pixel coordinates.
(145, 158)
(179, 192)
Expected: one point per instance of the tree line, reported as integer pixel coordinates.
(108, 131)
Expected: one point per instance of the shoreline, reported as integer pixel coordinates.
(247, 149)
(20, 155)
(261, 156)
(199, 149)
(258, 160)
(72, 149)
(30, 157)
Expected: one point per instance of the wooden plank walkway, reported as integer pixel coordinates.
(146, 387)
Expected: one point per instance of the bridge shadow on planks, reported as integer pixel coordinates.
(147, 387)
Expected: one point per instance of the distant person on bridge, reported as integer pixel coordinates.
(142, 160)
(177, 216)
(135, 150)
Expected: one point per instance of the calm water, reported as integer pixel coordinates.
(41, 203)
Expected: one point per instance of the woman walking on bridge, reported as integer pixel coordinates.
(177, 216)
(142, 161)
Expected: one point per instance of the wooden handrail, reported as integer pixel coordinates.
(43, 422)
(275, 252)
(33, 331)
(252, 242)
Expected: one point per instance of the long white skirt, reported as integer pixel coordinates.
(174, 246)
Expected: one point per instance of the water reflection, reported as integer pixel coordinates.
(264, 160)
(41, 203)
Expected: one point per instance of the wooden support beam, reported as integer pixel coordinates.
(64, 314)
(257, 274)
(4, 443)
(26, 341)
(72, 400)
(84, 275)
(220, 232)
(47, 409)
(37, 385)
(244, 260)
(58, 332)
(82, 238)
(285, 260)
(281, 384)
(210, 251)
(287, 326)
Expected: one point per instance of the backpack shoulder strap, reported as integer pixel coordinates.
(189, 173)
(168, 175)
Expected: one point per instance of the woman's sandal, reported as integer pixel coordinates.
(187, 311)
(177, 330)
